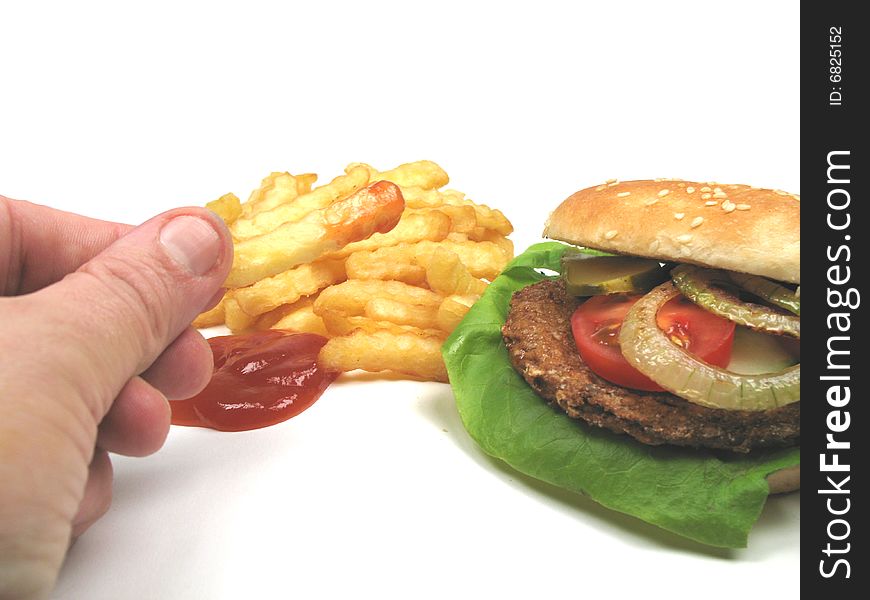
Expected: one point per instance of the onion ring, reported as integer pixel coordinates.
(768, 290)
(647, 348)
(699, 286)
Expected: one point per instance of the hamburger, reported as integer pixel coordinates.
(670, 341)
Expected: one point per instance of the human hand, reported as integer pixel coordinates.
(94, 337)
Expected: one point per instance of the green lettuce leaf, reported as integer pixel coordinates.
(711, 497)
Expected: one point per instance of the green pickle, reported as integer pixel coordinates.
(587, 275)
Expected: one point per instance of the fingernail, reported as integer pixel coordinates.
(192, 243)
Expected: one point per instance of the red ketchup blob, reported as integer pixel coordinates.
(259, 379)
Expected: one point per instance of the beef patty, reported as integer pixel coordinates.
(541, 346)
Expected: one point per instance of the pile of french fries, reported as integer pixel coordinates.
(384, 263)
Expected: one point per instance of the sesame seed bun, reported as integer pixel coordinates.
(785, 480)
(733, 227)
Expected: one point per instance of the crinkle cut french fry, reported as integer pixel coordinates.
(338, 324)
(412, 227)
(423, 174)
(236, 319)
(261, 222)
(268, 319)
(227, 207)
(277, 188)
(406, 262)
(400, 267)
(212, 317)
(452, 311)
(463, 219)
(409, 353)
(351, 297)
(485, 235)
(289, 286)
(488, 218)
(446, 275)
(300, 317)
(376, 208)
(401, 313)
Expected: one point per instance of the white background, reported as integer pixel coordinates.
(376, 491)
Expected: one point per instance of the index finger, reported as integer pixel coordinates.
(39, 245)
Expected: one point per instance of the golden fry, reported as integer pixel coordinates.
(211, 318)
(338, 324)
(289, 286)
(300, 317)
(277, 188)
(417, 197)
(236, 319)
(452, 311)
(481, 235)
(412, 227)
(462, 218)
(261, 222)
(407, 262)
(401, 313)
(227, 207)
(409, 353)
(394, 266)
(351, 297)
(267, 319)
(376, 208)
(493, 219)
(304, 183)
(488, 218)
(446, 275)
(424, 174)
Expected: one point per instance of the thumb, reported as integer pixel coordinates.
(124, 306)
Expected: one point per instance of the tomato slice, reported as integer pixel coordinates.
(596, 325)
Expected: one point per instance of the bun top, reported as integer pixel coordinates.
(733, 227)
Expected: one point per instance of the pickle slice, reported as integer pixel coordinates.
(587, 275)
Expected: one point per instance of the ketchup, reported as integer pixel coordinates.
(259, 379)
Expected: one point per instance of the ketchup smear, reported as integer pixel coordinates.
(259, 379)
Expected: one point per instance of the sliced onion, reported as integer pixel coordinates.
(768, 290)
(700, 286)
(647, 348)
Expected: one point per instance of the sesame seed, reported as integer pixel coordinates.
(685, 238)
(610, 234)
(728, 206)
(679, 216)
(600, 187)
(705, 196)
(650, 201)
(681, 184)
(744, 206)
(711, 203)
(720, 194)
(623, 194)
(612, 182)
(663, 193)
(781, 193)
(706, 188)
(696, 222)
(690, 190)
